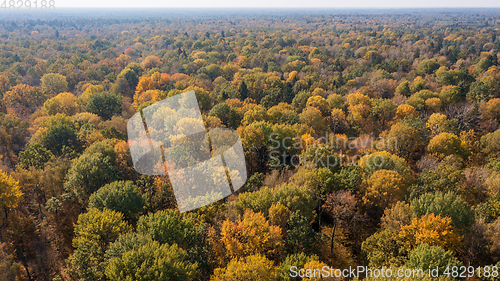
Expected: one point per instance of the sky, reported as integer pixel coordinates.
(280, 3)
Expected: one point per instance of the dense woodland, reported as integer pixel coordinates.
(74, 208)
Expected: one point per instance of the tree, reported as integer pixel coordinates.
(439, 123)
(226, 114)
(255, 114)
(59, 136)
(279, 215)
(382, 111)
(65, 103)
(151, 62)
(54, 83)
(359, 110)
(283, 113)
(491, 144)
(428, 66)
(403, 140)
(398, 215)
(320, 103)
(446, 205)
(299, 260)
(254, 138)
(446, 144)
(93, 169)
(253, 267)
(339, 121)
(427, 257)
(10, 193)
(168, 226)
(335, 101)
(152, 261)
(492, 110)
(404, 89)
(119, 196)
(35, 156)
(251, 235)
(450, 95)
(22, 100)
(313, 118)
(300, 235)
(243, 90)
(300, 100)
(93, 233)
(384, 188)
(383, 160)
(430, 229)
(341, 206)
(405, 110)
(384, 248)
(104, 104)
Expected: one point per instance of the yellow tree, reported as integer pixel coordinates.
(437, 123)
(446, 144)
(10, 192)
(65, 103)
(320, 103)
(430, 229)
(89, 90)
(492, 110)
(312, 117)
(384, 188)
(359, 110)
(145, 83)
(254, 267)
(405, 110)
(251, 235)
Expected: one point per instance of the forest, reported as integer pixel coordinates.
(403, 106)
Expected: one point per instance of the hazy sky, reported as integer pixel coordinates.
(280, 3)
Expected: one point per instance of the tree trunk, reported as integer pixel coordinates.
(333, 235)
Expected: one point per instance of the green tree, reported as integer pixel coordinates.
(300, 235)
(119, 196)
(152, 261)
(35, 156)
(59, 136)
(384, 248)
(428, 66)
(403, 140)
(429, 257)
(382, 111)
(168, 226)
(94, 231)
(299, 260)
(243, 90)
(93, 169)
(445, 205)
(491, 144)
(104, 104)
(54, 83)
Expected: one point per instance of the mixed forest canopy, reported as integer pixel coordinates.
(412, 96)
